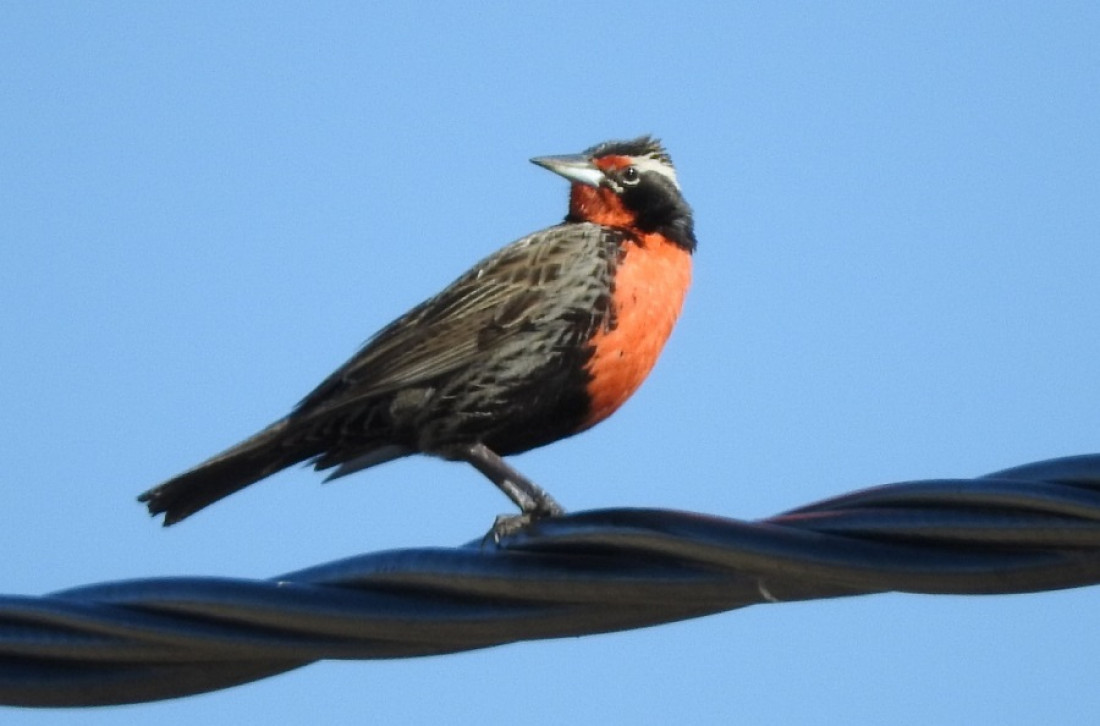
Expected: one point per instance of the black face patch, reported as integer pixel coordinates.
(653, 197)
(659, 207)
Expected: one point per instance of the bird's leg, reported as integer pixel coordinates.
(532, 500)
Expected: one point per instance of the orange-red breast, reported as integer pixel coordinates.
(542, 339)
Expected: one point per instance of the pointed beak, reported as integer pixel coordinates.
(576, 168)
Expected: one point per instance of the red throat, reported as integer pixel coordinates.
(601, 205)
(598, 205)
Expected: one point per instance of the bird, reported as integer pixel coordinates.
(540, 340)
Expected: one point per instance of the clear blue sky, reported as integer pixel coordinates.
(206, 208)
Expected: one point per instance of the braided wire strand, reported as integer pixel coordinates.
(1030, 528)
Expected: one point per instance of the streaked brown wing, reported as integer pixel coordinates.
(478, 311)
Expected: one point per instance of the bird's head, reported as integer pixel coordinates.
(627, 184)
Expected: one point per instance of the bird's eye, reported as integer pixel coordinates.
(631, 176)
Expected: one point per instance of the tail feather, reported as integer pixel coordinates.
(379, 454)
(246, 463)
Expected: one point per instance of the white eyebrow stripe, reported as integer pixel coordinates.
(647, 163)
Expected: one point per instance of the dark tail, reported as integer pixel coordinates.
(246, 463)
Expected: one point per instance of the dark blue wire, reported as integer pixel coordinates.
(1033, 527)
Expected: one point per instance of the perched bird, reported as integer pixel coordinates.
(540, 340)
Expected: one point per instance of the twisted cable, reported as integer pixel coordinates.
(1033, 527)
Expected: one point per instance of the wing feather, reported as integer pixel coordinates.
(462, 324)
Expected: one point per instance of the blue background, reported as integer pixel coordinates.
(205, 208)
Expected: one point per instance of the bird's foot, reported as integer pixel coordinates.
(506, 525)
